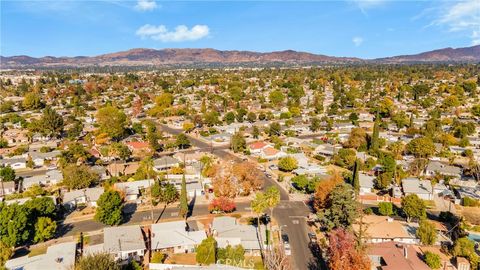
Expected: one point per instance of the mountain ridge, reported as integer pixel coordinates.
(172, 56)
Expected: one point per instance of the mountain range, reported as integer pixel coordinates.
(164, 57)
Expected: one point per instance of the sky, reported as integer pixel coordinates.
(353, 28)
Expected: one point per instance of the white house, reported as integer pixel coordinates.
(88, 196)
(133, 189)
(175, 235)
(227, 232)
(7, 188)
(58, 257)
(50, 178)
(15, 163)
(125, 243)
(367, 183)
(423, 188)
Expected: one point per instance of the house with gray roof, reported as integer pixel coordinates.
(88, 196)
(422, 188)
(134, 189)
(50, 178)
(176, 236)
(227, 231)
(165, 163)
(124, 243)
(436, 167)
(367, 183)
(58, 257)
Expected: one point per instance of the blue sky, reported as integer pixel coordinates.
(367, 29)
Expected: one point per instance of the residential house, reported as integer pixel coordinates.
(39, 158)
(125, 243)
(15, 163)
(257, 147)
(88, 196)
(16, 136)
(58, 257)
(367, 182)
(422, 188)
(7, 188)
(50, 178)
(134, 189)
(393, 256)
(326, 150)
(379, 229)
(165, 163)
(101, 171)
(139, 149)
(270, 153)
(193, 183)
(438, 168)
(119, 169)
(176, 236)
(227, 232)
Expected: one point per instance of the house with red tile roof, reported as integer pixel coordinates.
(271, 153)
(257, 147)
(396, 256)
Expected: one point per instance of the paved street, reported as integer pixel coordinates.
(290, 213)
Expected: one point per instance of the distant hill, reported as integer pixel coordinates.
(152, 57)
(467, 54)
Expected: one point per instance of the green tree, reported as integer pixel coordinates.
(231, 255)
(41, 207)
(97, 261)
(341, 210)
(287, 164)
(238, 143)
(433, 260)
(206, 251)
(255, 132)
(422, 147)
(14, 224)
(259, 206)
(45, 229)
(413, 207)
(51, 122)
(182, 141)
(229, 118)
(7, 174)
(385, 208)
(476, 110)
(464, 247)
(356, 177)
(374, 142)
(276, 97)
(315, 124)
(32, 101)
(426, 232)
(109, 208)
(5, 253)
(183, 199)
(274, 130)
(119, 150)
(111, 121)
(77, 177)
(251, 117)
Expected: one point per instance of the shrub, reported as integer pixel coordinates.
(467, 201)
(157, 257)
(432, 260)
(385, 208)
(222, 204)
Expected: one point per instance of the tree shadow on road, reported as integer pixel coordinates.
(191, 205)
(128, 211)
(63, 229)
(161, 213)
(317, 262)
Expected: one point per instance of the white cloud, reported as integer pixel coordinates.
(357, 41)
(364, 5)
(181, 33)
(146, 5)
(463, 16)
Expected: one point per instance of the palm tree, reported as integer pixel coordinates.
(259, 206)
(272, 198)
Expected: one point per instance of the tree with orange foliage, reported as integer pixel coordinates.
(247, 177)
(343, 254)
(324, 188)
(223, 183)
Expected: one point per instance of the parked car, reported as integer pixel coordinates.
(312, 236)
(286, 244)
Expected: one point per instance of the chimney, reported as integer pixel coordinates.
(405, 252)
(389, 219)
